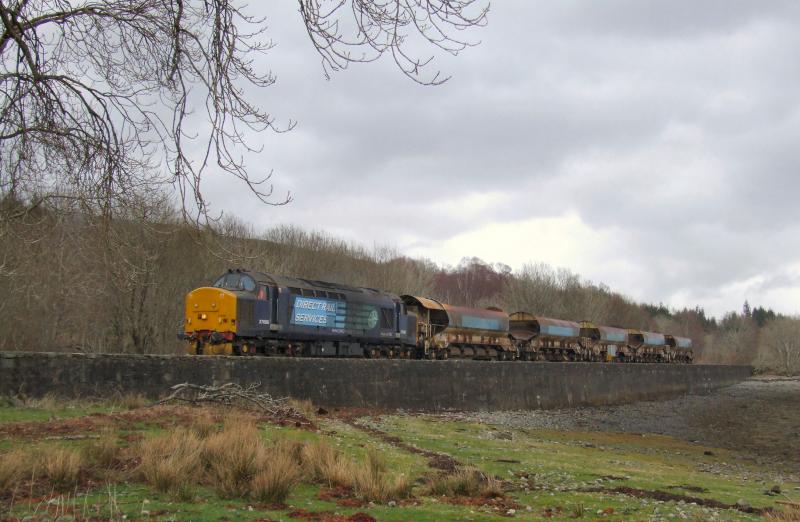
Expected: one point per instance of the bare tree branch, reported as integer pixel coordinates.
(99, 99)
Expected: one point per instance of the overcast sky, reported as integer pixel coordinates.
(651, 146)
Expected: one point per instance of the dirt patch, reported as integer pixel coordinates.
(501, 504)
(161, 416)
(674, 497)
(342, 495)
(693, 489)
(327, 516)
(435, 460)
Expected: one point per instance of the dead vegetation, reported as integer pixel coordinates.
(232, 395)
(276, 478)
(14, 465)
(63, 467)
(236, 462)
(233, 457)
(790, 513)
(465, 482)
(373, 482)
(103, 451)
(170, 461)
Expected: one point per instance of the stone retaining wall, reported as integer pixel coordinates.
(387, 384)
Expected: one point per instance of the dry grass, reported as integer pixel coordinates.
(14, 466)
(132, 401)
(790, 514)
(369, 480)
(382, 487)
(279, 474)
(324, 464)
(103, 451)
(304, 406)
(234, 456)
(292, 448)
(372, 482)
(237, 463)
(171, 462)
(48, 402)
(466, 482)
(232, 460)
(63, 467)
(204, 424)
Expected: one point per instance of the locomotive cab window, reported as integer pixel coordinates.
(236, 282)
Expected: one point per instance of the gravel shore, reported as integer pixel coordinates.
(758, 418)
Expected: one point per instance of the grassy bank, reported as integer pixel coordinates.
(126, 461)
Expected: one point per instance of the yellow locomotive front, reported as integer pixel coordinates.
(210, 321)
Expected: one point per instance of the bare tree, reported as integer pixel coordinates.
(96, 97)
(779, 346)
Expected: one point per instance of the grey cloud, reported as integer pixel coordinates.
(675, 126)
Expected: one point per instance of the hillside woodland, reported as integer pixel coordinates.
(72, 281)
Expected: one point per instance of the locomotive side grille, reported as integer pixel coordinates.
(246, 313)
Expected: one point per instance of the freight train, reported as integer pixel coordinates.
(252, 313)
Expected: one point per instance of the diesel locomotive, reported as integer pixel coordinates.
(252, 313)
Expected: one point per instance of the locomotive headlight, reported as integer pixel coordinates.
(203, 316)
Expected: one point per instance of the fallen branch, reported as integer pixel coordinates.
(232, 395)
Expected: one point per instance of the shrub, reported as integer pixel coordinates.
(171, 462)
